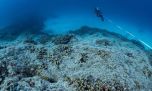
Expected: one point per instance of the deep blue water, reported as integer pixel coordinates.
(60, 15)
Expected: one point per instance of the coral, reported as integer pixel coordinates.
(138, 44)
(3, 71)
(92, 84)
(31, 83)
(82, 84)
(147, 72)
(58, 62)
(2, 47)
(83, 58)
(89, 30)
(130, 55)
(63, 50)
(30, 41)
(138, 85)
(85, 30)
(58, 54)
(118, 36)
(64, 39)
(42, 53)
(103, 54)
(30, 48)
(51, 78)
(55, 59)
(26, 71)
(8, 36)
(10, 84)
(149, 53)
(104, 42)
(45, 38)
(12, 52)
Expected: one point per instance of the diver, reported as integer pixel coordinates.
(99, 13)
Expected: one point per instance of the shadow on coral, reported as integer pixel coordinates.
(31, 24)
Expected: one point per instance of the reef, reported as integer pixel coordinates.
(95, 84)
(104, 42)
(86, 30)
(87, 59)
(62, 39)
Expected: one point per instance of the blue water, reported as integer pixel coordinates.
(60, 16)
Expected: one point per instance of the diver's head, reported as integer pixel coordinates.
(97, 8)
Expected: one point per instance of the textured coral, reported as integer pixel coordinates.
(45, 38)
(97, 61)
(50, 78)
(104, 42)
(58, 54)
(83, 58)
(63, 50)
(130, 55)
(94, 84)
(26, 71)
(55, 59)
(147, 72)
(103, 54)
(42, 53)
(2, 47)
(138, 44)
(3, 71)
(64, 39)
(30, 48)
(30, 41)
(86, 30)
(8, 36)
(149, 53)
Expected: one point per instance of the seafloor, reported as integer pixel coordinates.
(87, 59)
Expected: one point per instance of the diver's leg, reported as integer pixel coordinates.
(102, 18)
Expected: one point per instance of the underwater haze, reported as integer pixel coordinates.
(63, 15)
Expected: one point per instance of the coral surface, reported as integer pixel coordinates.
(87, 59)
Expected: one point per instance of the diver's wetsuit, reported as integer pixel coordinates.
(99, 13)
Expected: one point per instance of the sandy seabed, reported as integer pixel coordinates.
(87, 59)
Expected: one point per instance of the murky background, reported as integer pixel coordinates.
(60, 16)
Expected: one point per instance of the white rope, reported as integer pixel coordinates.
(146, 44)
(120, 28)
